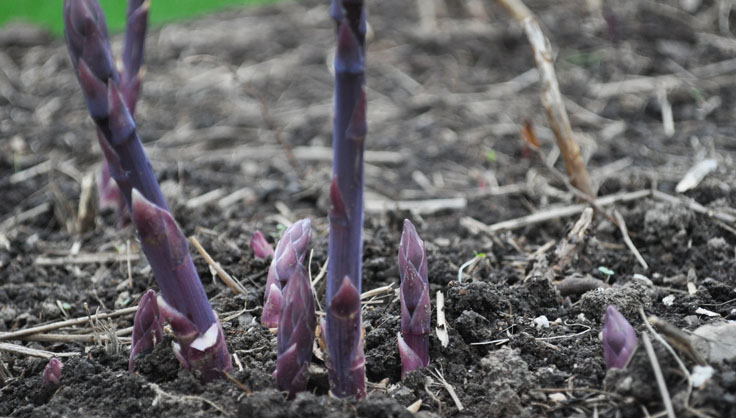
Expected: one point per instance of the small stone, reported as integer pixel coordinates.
(716, 342)
(541, 322)
(701, 375)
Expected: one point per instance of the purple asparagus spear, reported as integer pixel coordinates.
(147, 327)
(52, 372)
(201, 342)
(416, 308)
(89, 49)
(347, 374)
(130, 85)
(343, 325)
(296, 333)
(135, 37)
(261, 248)
(619, 339)
(289, 255)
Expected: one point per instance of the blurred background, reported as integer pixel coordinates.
(47, 13)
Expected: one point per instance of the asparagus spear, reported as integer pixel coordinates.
(184, 302)
(343, 325)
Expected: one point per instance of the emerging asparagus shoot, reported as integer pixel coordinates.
(619, 339)
(147, 327)
(296, 333)
(288, 257)
(52, 372)
(343, 325)
(261, 248)
(415, 303)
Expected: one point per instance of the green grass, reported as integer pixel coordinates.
(47, 13)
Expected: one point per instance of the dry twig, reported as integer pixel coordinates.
(77, 338)
(85, 258)
(63, 324)
(448, 387)
(569, 247)
(696, 207)
(441, 328)
(625, 235)
(416, 206)
(676, 337)
(377, 291)
(615, 217)
(551, 213)
(551, 96)
(160, 394)
(27, 351)
(24, 216)
(658, 375)
(233, 284)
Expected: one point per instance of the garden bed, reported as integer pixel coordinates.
(236, 114)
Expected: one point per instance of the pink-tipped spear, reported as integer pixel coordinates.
(296, 333)
(52, 372)
(147, 327)
(619, 339)
(416, 309)
(288, 257)
(261, 248)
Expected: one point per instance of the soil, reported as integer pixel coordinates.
(241, 102)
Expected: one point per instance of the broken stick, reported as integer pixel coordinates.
(551, 96)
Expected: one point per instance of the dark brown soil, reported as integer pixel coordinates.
(234, 102)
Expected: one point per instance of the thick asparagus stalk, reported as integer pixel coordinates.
(288, 257)
(296, 333)
(343, 322)
(416, 309)
(163, 243)
(200, 341)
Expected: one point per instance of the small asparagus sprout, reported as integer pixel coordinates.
(415, 303)
(289, 255)
(261, 248)
(201, 343)
(619, 339)
(52, 372)
(296, 333)
(343, 325)
(147, 327)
